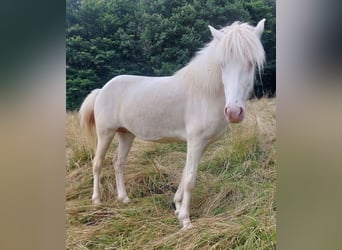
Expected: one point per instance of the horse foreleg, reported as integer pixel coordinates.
(125, 143)
(104, 139)
(194, 153)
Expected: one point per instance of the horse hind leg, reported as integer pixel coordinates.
(103, 141)
(178, 196)
(125, 142)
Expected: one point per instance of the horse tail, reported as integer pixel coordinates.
(86, 115)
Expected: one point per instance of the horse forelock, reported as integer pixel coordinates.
(241, 42)
(203, 72)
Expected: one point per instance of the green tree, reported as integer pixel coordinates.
(143, 37)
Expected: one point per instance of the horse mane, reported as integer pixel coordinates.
(203, 72)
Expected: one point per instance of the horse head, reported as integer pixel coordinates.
(238, 52)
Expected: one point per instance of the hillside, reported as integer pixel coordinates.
(233, 204)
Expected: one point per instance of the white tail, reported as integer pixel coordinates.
(86, 115)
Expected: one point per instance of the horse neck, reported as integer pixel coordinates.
(202, 76)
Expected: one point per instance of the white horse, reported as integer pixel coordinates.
(193, 105)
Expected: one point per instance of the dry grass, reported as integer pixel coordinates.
(233, 205)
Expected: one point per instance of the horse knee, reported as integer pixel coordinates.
(118, 165)
(189, 184)
(97, 165)
(177, 198)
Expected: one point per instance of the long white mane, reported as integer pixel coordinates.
(203, 72)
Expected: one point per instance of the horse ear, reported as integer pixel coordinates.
(216, 33)
(260, 27)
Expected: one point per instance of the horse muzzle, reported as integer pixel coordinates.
(234, 114)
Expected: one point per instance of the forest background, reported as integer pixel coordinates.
(106, 38)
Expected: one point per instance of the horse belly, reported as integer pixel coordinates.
(154, 127)
(162, 139)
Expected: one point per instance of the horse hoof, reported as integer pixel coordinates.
(125, 200)
(187, 226)
(96, 202)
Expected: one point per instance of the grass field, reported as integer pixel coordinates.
(233, 204)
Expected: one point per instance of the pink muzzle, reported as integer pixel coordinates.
(234, 114)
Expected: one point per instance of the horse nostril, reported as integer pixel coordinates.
(226, 111)
(234, 114)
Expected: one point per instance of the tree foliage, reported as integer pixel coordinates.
(105, 38)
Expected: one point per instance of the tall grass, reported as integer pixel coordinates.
(233, 204)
